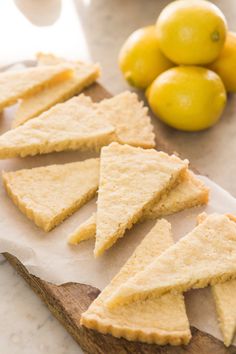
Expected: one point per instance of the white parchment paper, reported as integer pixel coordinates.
(48, 256)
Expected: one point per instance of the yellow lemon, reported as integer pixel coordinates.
(140, 58)
(191, 32)
(225, 64)
(188, 98)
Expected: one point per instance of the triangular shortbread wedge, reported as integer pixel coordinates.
(190, 192)
(19, 84)
(160, 320)
(83, 75)
(205, 256)
(84, 231)
(225, 300)
(130, 117)
(80, 123)
(48, 195)
(131, 181)
(66, 126)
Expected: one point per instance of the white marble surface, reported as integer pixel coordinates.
(26, 326)
(92, 29)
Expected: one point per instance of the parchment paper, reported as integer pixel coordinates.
(48, 256)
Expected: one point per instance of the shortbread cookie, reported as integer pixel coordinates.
(205, 256)
(67, 126)
(80, 123)
(190, 192)
(48, 195)
(131, 181)
(225, 300)
(160, 320)
(84, 232)
(130, 117)
(19, 84)
(84, 74)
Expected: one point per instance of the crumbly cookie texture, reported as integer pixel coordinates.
(225, 301)
(20, 84)
(190, 192)
(205, 256)
(84, 74)
(79, 123)
(160, 320)
(131, 180)
(66, 126)
(48, 195)
(130, 117)
(224, 297)
(84, 231)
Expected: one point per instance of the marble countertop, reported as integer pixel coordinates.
(26, 326)
(91, 29)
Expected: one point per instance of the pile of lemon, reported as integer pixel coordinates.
(186, 63)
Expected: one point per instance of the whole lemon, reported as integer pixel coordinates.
(225, 64)
(191, 32)
(188, 98)
(140, 58)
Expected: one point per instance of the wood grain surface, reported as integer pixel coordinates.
(68, 301)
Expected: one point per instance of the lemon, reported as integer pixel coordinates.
(188, 98)
(140, 58)
(191, 32)
(225, 64)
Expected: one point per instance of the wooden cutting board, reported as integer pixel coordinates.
(68, 301)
